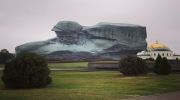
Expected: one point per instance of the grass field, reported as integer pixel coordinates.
(1, 65)
(103, 85)
(105, 62)
(67, 65)
(63, 65)
(74, 64)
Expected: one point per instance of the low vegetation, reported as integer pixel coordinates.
(27, 70)
(133, 65)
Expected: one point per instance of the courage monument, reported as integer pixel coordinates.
(101, 41)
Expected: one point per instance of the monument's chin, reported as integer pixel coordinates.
(102, 41)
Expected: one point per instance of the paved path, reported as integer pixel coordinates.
(166, 96)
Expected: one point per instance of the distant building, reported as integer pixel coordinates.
(153, 50)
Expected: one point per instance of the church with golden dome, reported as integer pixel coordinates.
(153, 50)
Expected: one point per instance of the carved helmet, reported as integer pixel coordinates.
(67, 26)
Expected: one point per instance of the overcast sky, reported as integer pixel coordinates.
(23, 21)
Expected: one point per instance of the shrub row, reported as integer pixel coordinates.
(133, 65)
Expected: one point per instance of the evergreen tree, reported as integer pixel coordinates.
(164, 67)
(157, 62)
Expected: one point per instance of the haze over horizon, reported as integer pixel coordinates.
(32, 20)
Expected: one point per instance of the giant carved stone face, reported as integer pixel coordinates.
(70, 37)
(69, 33)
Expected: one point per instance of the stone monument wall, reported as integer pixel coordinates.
(103, 41)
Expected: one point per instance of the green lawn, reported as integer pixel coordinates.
(67, 65)
(1, 65)
(105, 62)
(63, 65)
(103, 85)
(74, 65)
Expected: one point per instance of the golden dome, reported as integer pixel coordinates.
(157, 46)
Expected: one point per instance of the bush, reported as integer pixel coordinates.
(27, 70)
(164, 67)
(157, 62)
(133, 65)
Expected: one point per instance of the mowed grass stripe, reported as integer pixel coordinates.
(63, 65)
(2, 65)
(103, 85)
(67, 65)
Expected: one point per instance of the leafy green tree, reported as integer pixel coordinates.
(27, 70)
(157, 62)
(164, 67)
(133, 65)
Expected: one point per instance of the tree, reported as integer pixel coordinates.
(27, 70)
(133, 65)
(157, 62)
(164, 67)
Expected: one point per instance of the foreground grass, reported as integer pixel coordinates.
(2, 65)
(95, 86)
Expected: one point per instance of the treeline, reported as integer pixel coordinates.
(5, 56)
